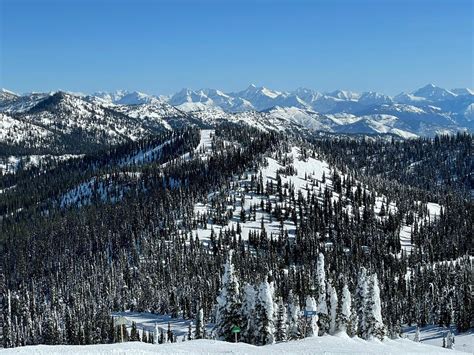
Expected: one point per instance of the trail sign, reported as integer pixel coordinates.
(236, 330)
(310, 313)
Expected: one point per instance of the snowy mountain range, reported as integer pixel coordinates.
(51, 119)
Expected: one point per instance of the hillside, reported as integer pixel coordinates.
(168, 223)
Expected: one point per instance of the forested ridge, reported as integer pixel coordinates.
(358, 244)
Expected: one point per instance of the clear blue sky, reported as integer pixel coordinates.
(163, 46)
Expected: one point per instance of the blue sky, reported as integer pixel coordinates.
(160, 47)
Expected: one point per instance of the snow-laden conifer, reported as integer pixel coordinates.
(199, 330)
(248, 313)
(228, 303)
(345, 311)
(322, 306)
(265, 314)
(294, 324)
(333, 302)
(360, 301)
(312, 328)
(373, 311)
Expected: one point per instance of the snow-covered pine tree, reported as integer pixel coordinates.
(373, 311)
(228, 303)
(450, 340)
(157, 334)
(134, 335)
(344, 315)
(360, 302)
(322, 306)
(248, 313)
(333, 303)
(281, 331)
(294, 323)
(311, 323)
(199, 330)
(417, 335)
(265, 315)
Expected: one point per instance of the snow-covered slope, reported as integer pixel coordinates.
(16, 131)
(65, 122)
(318, 345)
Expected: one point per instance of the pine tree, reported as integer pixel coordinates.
(134, 335)
(8, 341)
(322, 306)
(228, 303)
(265, 314)
(450, 340)
(158, 335)
(199, 330)
(248, 313)
(169, 334)
(417, 335)
(360, 302)
(311, 322)
(344, 319)
(281, 322)
(333, 308)
(190, 331)
(294, 324)
(373, 311)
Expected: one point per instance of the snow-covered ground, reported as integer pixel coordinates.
(319, 345)
(433, 335)
(431, 342)
(149, 322)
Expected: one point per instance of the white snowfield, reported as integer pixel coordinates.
(340, 344)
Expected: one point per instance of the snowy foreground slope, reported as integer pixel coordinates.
(318, 345)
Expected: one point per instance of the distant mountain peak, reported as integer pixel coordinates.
(433, 92)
